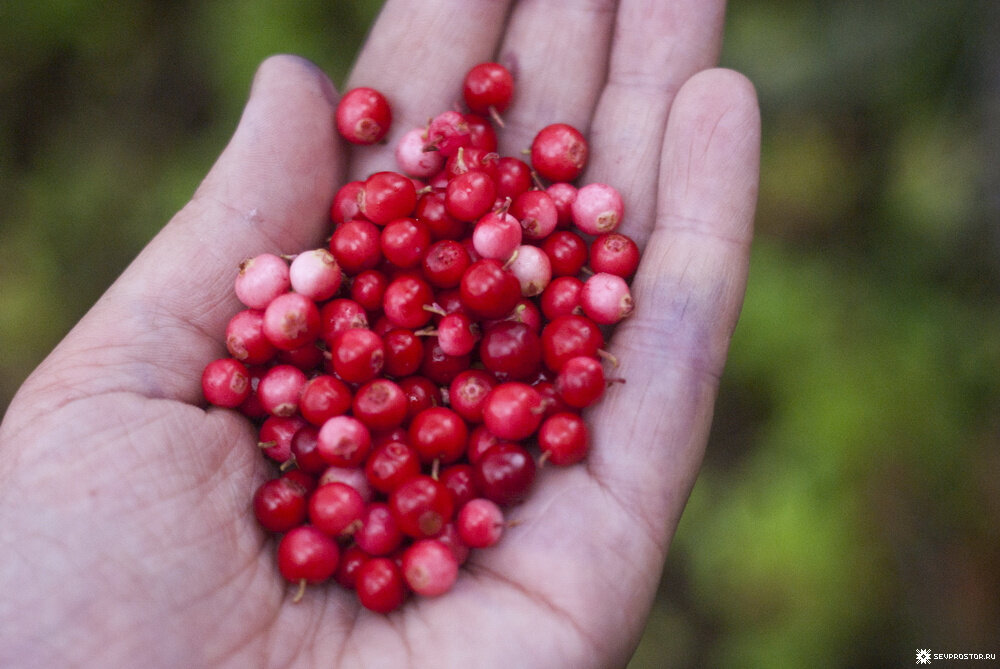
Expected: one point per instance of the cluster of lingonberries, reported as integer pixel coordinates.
(410, 377)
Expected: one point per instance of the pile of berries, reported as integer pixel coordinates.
(409, 378)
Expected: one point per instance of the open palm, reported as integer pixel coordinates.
(124, 504)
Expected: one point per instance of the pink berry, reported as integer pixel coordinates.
(352, 476)
(429, 567)
(496, 235)
(562, 195)
(447, 132)
(261, 279)
(280, 388)
(344, 441)
(413, 160)
(606, 298)
(363, 116)
(532, 268)
(315, 274)
(225, 382)
(559, 152)
(291, 321)
(597, 209)
(480, 523)
(457, 334)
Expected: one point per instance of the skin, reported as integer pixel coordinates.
(127, 534)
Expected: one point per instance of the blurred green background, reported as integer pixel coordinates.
(849, 508)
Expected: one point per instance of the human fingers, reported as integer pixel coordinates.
(650, 432)
(417, 55)
(657, 46)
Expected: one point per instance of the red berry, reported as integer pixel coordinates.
(280, 388)
(563, 438)
(614, 253)
(324, 397)
(421, 506)
(291, 321)
(562, 297)
(559, 152)
(358, 355)
(305, 450)
(405, 301)
(245, 338)
(580, 381)
(480, 523)
(505, 472)
(404, 242)
(347, 568)
(345, 203)
(567, 252)
(275, 436)
(511, 350)
(513, 410)
(470, 195)
(445, 263)
(388, 196)
(339, 315)
(344, 441)
(513, 177)
(404, 351)
(368, 288)
(363, 116)
(468, 391)
(459, 480)
(566, 337)
(379, 534)
(438, 433)
(489, 290)
(380, 404)
(225, 382)
(457, 334)
(488, 88)
(280, 504)
(336, 509)
(537, 213)
(355, 246)
(380, 586)
(305, 554)
(390, 465)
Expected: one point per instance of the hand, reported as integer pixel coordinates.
(127, 534)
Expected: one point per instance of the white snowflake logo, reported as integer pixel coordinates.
(923, 656)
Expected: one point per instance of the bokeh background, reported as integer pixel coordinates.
(849, 508)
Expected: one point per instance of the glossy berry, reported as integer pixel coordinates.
(340, 315)
(597, 209)
(562, 297)
(429, 567)
(580, 382)
(305, 554)
(406, 300)
(513, 411)
(457, 334)
(606, 298)
(380, 586)
(315, 274)
(505, 473)
(305, 450)
(563, 438)
(559, 152)
(387, 196)
(496, 235)
(280, 504)
(614, 253)
(336, 509)
(291, 321)
(345, 203)
(537, 213)
(413, 160)
(404, 242)
(566, 337)
(245, 338)
(444, 263)
(459, 480)
(511, 350)
(489, 290)
(480, 523)
(488, 88)
(532, 268)
(324, 397)
(358, 355)
(404, 351)
(225, 382)
(390, 465)
(438, 433)
(378, 534)
(380, 404)
(356, 246)
(470, 195)
(344, 441)
(447, 133)
(280, 388)
(562, 195)
(275, 436)
(468, 391)
(421, 506)
(363, 116)
(567, 252)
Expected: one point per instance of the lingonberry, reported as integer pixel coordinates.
(449, 537)
(261, 279)
(562, 195)
(532, 268)
(336, 508)
(291, 321)
(567, 252)
(345, 203)
(307, 357)
(404, 242)
(566, 337)
(315, 274)
(352, 476)
(470, 195)
(380, 586)
(513, 410)
(496, 235)
(245, 338)
(340, 315)
(378, 534)
(225, 382)
(429, 567)
(444, 263)
(280, 504)
(390, 465)
(448, 132)
(275, 436)
(351, 560)
(280, 388)
(606, 298)
(299, 477)
(380, 404)
(562, 297)
(344, 441)
(480, 440)
(387, 196)
(580, 381)
(324, 397)
(488, 289)
(421, 506)
(438, 433)
(355, 246)
(406, 300)
(432, 211)
(513, 177)
(457, 334)
(403, 352)
(459, 480)
(482, 135)
(251, 406)
(357, 355)
(563, 438)
(471, 158)
(614, 253)
(413, 160)
(511, 350)
(421, 393)
(488, 88)
(363, 116)
(305, 450)
(307, 555)
(467, 392)
(438, 366)
(504, 473)
(537, 213)
(368, 288)
(480, 523)
(597, 209)
(559, 152)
